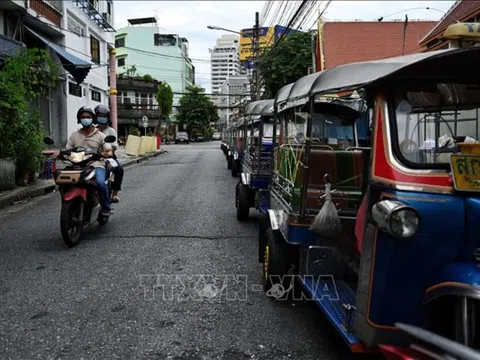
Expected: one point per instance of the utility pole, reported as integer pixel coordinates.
(256, 43)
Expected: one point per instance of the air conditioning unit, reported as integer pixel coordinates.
(107, 17)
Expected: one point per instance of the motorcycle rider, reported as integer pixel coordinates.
(91, 138)
(102, 113)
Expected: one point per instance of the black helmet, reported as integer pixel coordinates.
(103, 109)
(87, 110)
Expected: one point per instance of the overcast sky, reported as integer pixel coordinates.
(190, 19)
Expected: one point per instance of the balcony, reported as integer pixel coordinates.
(137, 111)
(90, 7)
(126, 84)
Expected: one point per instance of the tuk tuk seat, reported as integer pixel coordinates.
(346, 171)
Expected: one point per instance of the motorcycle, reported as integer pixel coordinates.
(77, 186)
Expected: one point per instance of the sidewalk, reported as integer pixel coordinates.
(43, 187)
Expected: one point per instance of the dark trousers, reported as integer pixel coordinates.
(118, 173)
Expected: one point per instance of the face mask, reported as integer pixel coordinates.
(86, 122)
(102, 120)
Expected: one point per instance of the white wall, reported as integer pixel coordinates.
(79, 46)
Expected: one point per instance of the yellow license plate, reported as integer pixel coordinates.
(466, 172)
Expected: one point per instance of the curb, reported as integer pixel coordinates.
(26, 193)
(137, 160)
(30, 192)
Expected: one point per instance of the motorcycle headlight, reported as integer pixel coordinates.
(396, 218)
(76, 157)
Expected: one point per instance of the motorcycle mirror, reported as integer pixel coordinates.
(110, 139)
(48, 140)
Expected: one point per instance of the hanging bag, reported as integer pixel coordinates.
(327, 222)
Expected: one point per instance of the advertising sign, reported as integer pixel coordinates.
(266, 38)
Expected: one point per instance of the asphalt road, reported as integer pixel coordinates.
(176, 222)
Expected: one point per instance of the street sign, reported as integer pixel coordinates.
(145, 121)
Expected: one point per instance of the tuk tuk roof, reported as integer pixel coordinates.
(299, 93)
(282, 94)
(459, 62)
(260, 107)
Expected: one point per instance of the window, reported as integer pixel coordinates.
(75, 27)
(431, 119)
(109, 7)
(95, 50)
(74, 89)
(120, 42)
(121, 62)
(96, 96)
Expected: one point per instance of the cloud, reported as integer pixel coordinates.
(190, 18)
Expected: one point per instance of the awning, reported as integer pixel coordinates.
(77, 67)
(9, 47)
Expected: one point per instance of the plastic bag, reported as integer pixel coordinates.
(327, 223)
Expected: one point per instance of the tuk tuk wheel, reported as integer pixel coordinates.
(241, 201)
(275, 265)
(229, 162)
(235, 169)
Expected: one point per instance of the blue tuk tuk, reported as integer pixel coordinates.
(235, 151)
(253, 187)
(407, 197)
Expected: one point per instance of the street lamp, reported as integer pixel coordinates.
(211, 27)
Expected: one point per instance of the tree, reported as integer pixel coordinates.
(23, 79)
(286, 63)
(196, 109)
(165, 101)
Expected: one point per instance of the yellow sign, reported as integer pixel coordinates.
(466, 172)
(466, 31)
(266, 38)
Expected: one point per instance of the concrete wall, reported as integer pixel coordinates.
(79, 45)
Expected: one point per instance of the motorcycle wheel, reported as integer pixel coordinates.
(70, 226)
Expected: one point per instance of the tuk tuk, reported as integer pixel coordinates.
(408, 248)
(253, 187)
(235, 154)
(230, 140)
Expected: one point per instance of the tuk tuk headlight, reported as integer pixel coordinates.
(396, 218)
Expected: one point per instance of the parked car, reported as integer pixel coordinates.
(182, 137)
(200, 138)
(217, 136)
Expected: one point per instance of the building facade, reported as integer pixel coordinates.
(461, 11)
(79, 48)
(233, 96)
(164, 57)
(225, 61)
(136, 98)
(343, 42)
(89, 34)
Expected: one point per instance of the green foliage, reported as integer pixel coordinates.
(134, 131)
(164, 98)
(147, 77)
(23, 79)
(131, 71)
(196, 109)
(286, 64)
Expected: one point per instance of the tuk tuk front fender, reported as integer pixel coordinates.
(245, 178)
(278, 219)
(460, 279)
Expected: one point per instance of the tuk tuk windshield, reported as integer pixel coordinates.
(332, 128)
(431, 119)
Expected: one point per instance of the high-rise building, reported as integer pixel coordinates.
(225, 61)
